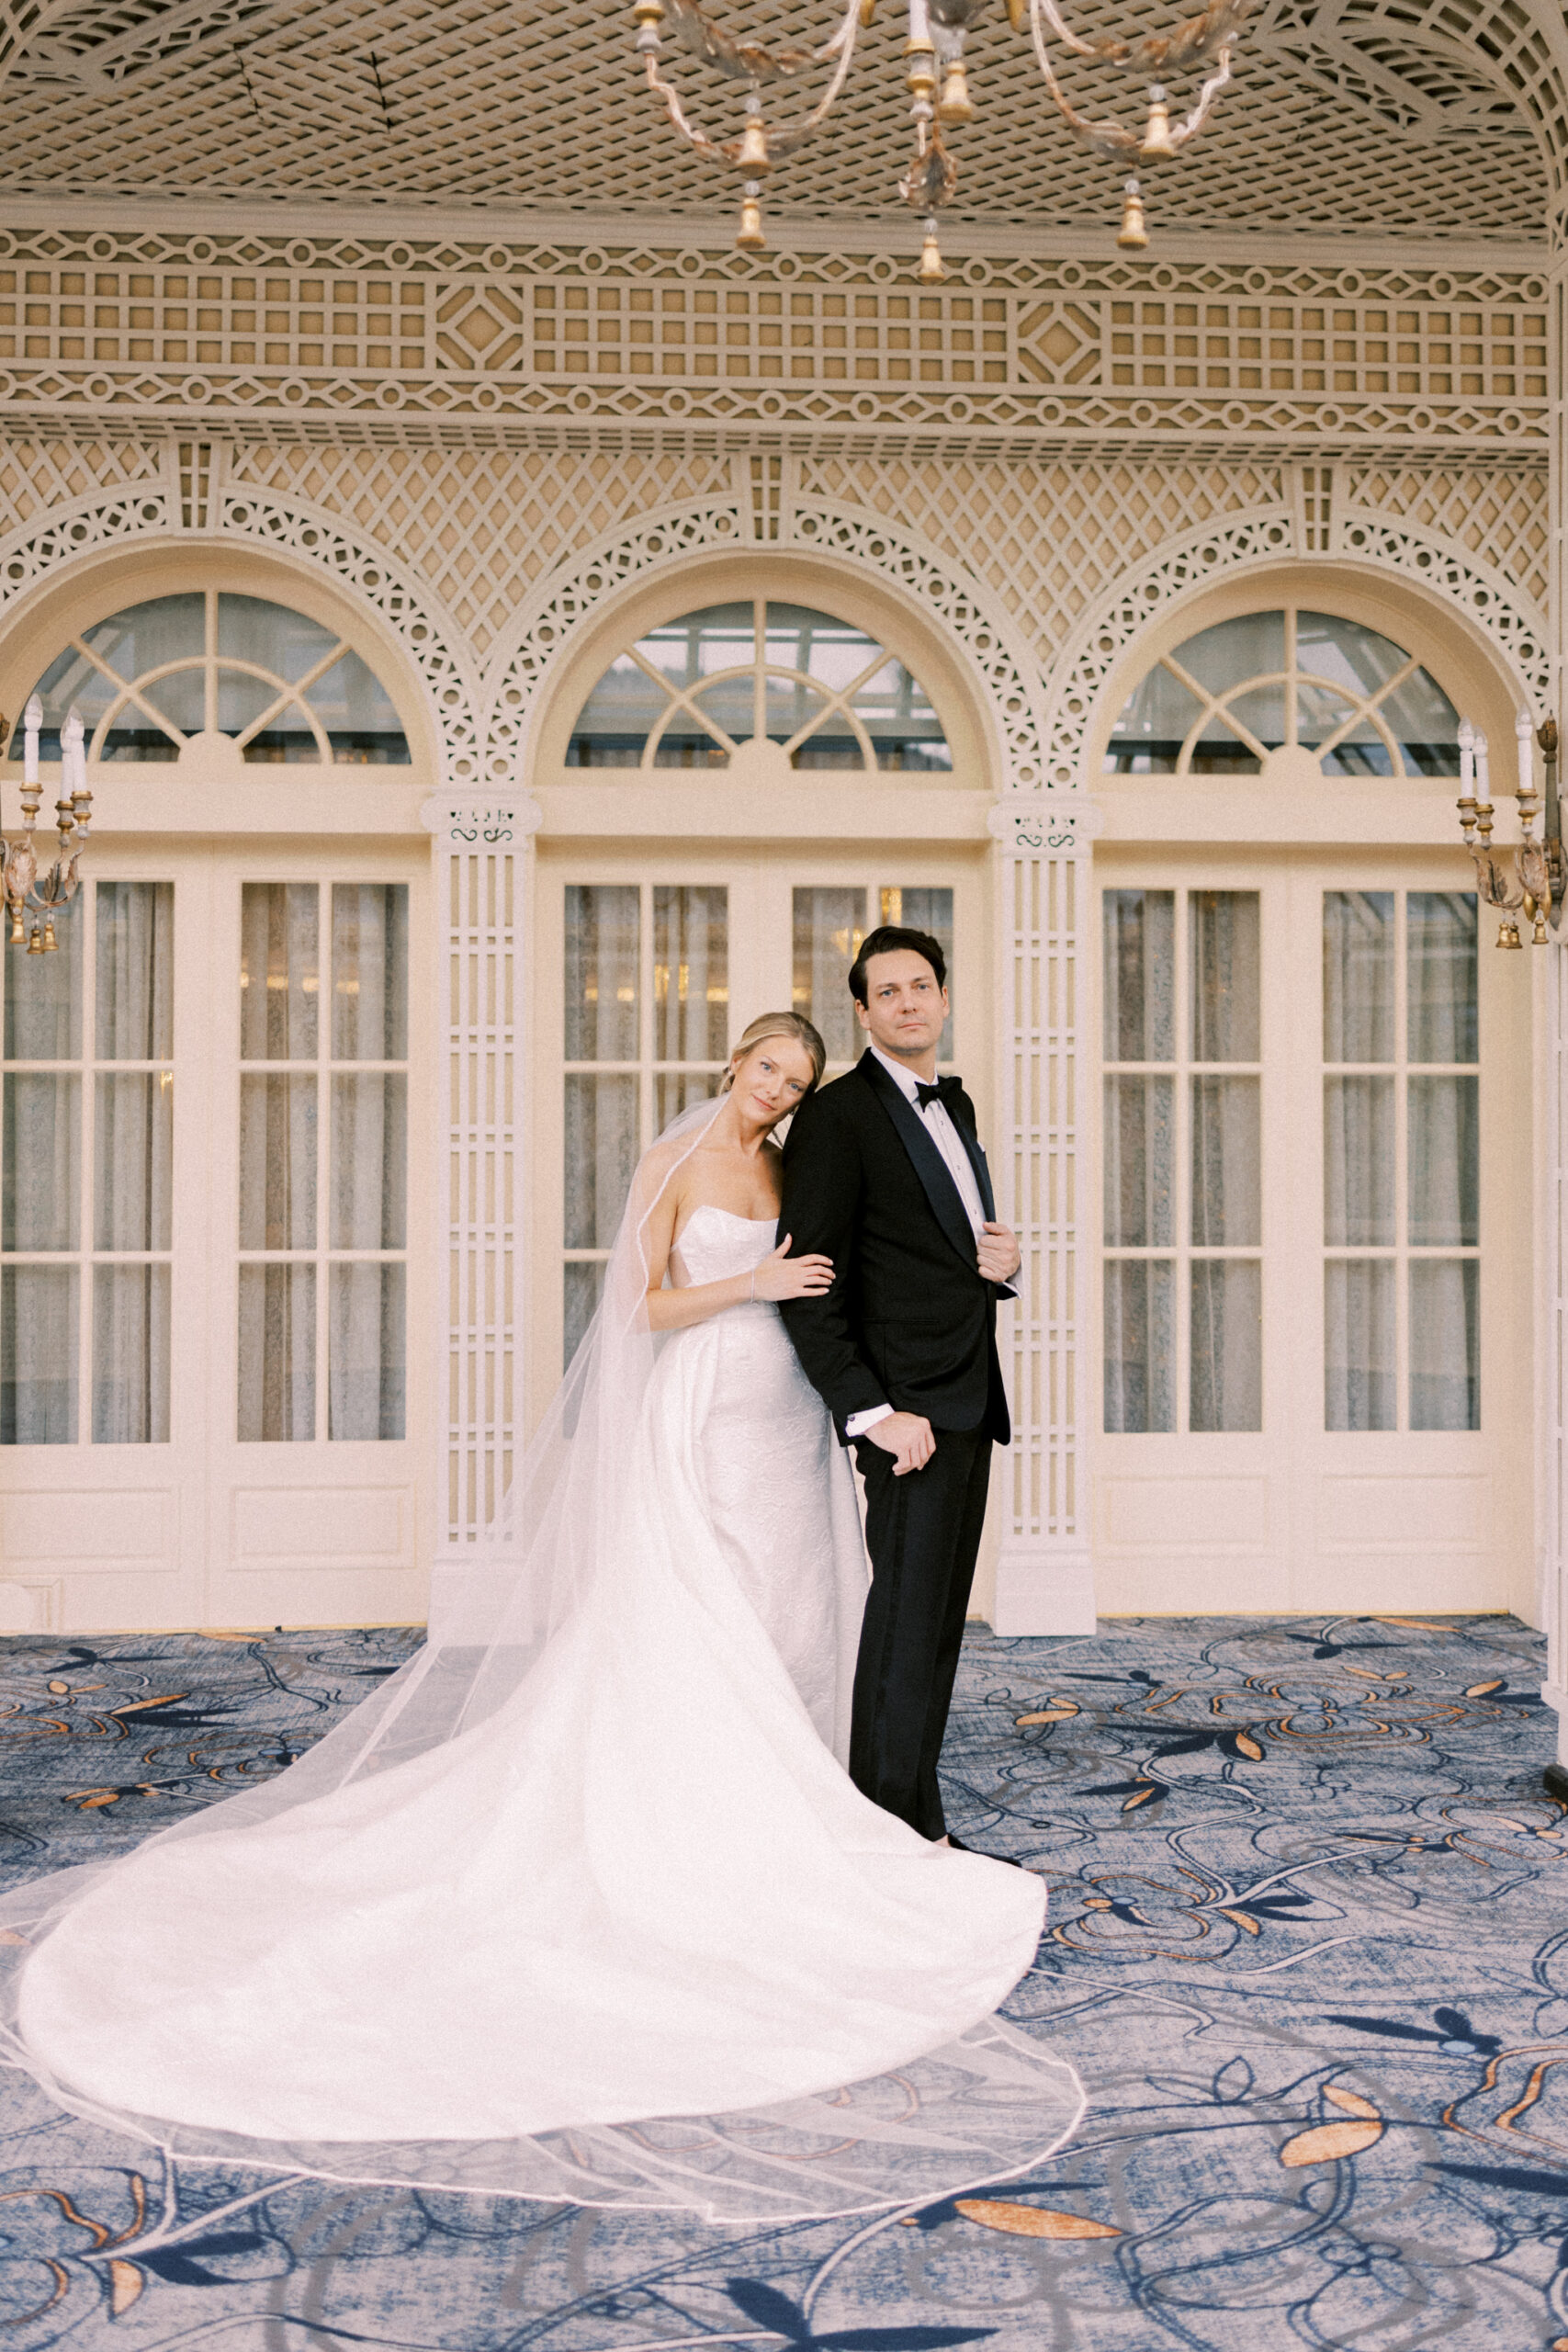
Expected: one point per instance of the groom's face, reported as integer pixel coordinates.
(905, 1006)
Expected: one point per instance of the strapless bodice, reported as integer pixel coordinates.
(716, 1243)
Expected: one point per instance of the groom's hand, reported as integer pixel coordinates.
(908, 1437)
(998, 1253)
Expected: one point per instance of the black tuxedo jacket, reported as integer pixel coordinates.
(910, 1320)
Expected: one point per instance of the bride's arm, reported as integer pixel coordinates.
(778, 1276)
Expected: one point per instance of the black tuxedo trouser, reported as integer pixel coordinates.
(923, 1534)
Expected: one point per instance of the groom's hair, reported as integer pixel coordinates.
(887, 940)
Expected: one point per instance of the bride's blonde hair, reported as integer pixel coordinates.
(779, 1024)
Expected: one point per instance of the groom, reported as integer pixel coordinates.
(885, 1174)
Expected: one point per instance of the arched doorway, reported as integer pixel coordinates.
(214, 1287)
(1313, 1303)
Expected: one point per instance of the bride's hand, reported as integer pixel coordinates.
(782, 1276)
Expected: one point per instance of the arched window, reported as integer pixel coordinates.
(280, 686)
(1290, 680)
(691, 692)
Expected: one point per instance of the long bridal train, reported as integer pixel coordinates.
(588, 1860)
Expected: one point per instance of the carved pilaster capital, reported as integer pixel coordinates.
(1043, 824)
(498, 820)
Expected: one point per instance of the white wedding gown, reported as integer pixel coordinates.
(645, 1887)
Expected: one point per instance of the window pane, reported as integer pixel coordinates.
(41, 1166)
(134, 1154)
(699, 645)
(731, 707)
(1228, 1344)
(1139, 963)
(922, 908)
(367, 1345)
(277, 1163)
(1360, 752)
(897, 714)
(1356, 660)
(691, 973)
(1154, 722)
(1140, 1162)
(1261, 712)
(253, 629)
(43, 996)
(370, 971)
(131, 1355)
(39, 1352)
(675, 1092)
(371, 1159)
(1357, 1162)
(833, 651)
(1425, 725)
(1224, 985)
(1319, 712)
(241, 699)
(602, 946)
(280, 971)
(1357, 976)
(584, 1286)
(1227, 1191)
(1253, 646)
(180, 697)
(135, 991)
(617, 718)
(601, 1153)
(1441, 976)
(1444, 1344)
(169, 628)
(1140, 1345)
(73, 683)
(828, 925)
(359, 716)
(277, 1354)
(1444, 1154)
(1359, 1363)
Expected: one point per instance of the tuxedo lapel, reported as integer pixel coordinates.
(964, 1121)
(936, 1178)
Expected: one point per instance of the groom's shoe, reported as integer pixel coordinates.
(960, 1847)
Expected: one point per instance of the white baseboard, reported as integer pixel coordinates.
(1044, 1593)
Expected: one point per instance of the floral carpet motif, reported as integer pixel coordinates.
(1308, 1950)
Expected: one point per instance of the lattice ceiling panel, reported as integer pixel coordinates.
(1386, 115)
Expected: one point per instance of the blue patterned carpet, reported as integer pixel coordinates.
(1308, 1951)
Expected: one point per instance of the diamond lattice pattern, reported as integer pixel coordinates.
(1434, 117)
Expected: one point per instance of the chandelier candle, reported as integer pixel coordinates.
(24, 886)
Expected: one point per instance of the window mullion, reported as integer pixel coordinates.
(210, 679)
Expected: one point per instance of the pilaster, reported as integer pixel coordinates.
(1044, 930)
(1552, 1144)
(482, 860)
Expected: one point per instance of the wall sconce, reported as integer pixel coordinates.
(1527, 880)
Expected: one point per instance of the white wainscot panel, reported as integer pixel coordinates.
(339, 1527)
(87, 1526)
(1180, 1514)
(1392, 1514)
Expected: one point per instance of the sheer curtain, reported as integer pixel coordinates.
(1225, 989)
(133, 1146)
(109, 1224)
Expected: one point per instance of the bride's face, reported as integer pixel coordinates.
(770, 1081)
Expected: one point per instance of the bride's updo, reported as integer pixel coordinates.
(779, 1024)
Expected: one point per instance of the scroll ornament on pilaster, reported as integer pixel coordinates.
(1044, 824)
(495, 821)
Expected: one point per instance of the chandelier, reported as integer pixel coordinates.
(1529, 879)
(28, 888)
(1198, 50)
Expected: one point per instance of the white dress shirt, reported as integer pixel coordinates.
(949, 1143)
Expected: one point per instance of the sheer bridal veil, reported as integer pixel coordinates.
(503, 1620)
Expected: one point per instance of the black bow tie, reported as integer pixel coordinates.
(941, 1090)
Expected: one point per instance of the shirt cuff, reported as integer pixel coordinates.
(858, 1423)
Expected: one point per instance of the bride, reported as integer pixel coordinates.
(582, 1904)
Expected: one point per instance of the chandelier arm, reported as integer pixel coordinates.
(1108, 137)
(1181, 132)
(785, 141)
(842, 47)
(1069, 40)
